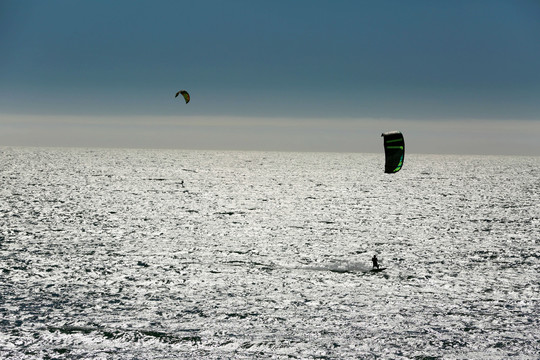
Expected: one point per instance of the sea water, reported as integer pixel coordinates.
(156, 254)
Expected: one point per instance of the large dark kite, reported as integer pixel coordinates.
(394, 150)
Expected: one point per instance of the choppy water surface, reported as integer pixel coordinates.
(106, 254)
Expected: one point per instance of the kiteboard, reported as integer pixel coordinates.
(377, 270)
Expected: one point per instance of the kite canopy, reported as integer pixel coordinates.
(394, 150)
(184, 94)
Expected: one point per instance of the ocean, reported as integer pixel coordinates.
(169, 254)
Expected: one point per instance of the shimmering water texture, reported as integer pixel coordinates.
(122, 254)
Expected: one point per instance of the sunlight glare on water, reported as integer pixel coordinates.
(198, 254)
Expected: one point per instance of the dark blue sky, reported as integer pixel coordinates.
(334, 60)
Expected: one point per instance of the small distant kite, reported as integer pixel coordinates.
(184, 94)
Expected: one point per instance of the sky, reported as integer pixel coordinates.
(456, 76)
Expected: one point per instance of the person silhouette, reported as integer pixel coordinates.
(375, 262)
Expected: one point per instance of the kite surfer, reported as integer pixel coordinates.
(375, 262)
